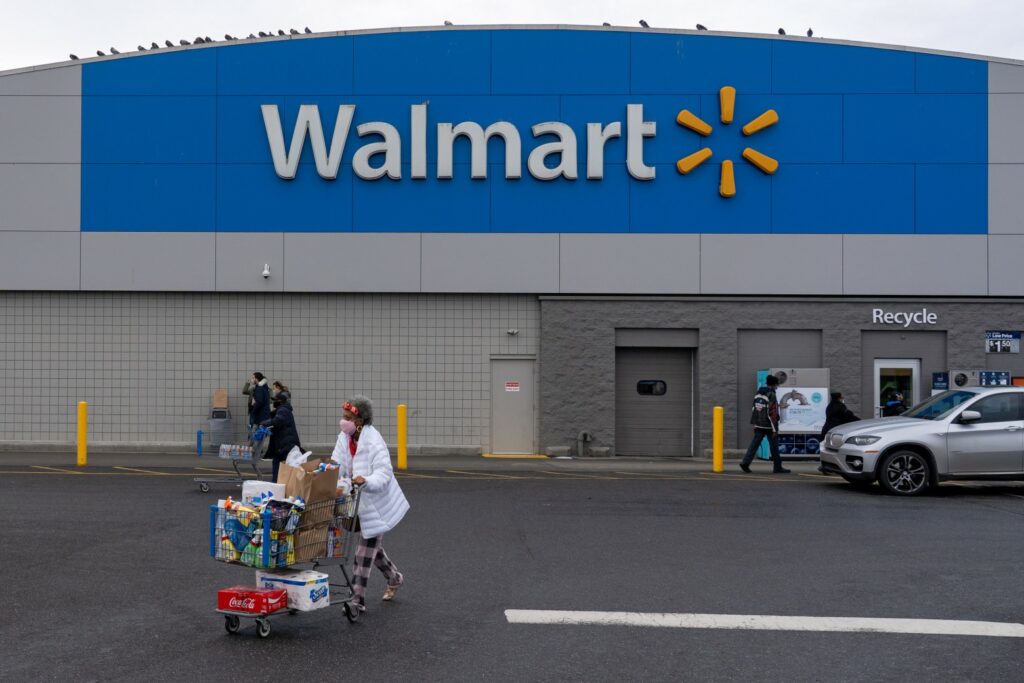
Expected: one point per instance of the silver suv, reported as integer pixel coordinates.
(970, 433)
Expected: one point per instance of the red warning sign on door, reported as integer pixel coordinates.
(511, 386)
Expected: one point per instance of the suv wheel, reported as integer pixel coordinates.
(904, 473)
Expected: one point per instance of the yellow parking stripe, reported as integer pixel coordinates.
(141, 471)
(489, 475)
(57, 469)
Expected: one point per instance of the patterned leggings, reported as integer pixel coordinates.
(370, 551)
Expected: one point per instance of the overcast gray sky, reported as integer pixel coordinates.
(45, 31)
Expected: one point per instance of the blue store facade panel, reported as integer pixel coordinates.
(853, 123)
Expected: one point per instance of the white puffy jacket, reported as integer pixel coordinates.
(382, 505)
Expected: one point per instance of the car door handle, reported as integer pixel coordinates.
(1013, 429)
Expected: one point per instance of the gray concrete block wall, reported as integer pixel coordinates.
(578, 336)
(148, 362)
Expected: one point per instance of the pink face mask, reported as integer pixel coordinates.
(348, 426)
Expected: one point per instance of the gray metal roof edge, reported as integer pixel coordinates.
(519, 27)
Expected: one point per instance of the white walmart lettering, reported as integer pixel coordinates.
(547, 161)
(904, 318)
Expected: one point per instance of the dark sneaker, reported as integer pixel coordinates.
(745, 468)
(781, 470)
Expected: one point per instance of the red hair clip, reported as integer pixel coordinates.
(350, 408)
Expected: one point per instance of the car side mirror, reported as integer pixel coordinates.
(970, 416)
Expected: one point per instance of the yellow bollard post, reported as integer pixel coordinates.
(718, 438)
(83, 421)
(403, 437)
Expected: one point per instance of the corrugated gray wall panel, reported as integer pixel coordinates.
(629, 264)
(39, 260)
(240, 261)
(1005, 199)
(1005, 143)
(1005, 78)
(1006, 265)
(495, 263)
(65, 80)
(352, 262)
(148, 261)
(771, 264)
(41, 129)
(932, 265)
(40, 196)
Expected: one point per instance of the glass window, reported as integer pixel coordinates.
(651, 387)
(998, 408)
(940, 405)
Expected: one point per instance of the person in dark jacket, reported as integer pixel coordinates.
(837, 414)
(764, 415)
(284, 435)
(895, 405)
(259, 403)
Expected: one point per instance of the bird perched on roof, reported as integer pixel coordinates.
(184, 42)
(644, 24)
(782, 31)
(114, 51)
(140, 48)
(447, 23)
(74, 57)
(280, 32)
(293, 32)
(168, 43)
(702, 27)
(154, 46)
(251, 37)
(810, 33)
(605, 24)
(306, 30)
(100, 53)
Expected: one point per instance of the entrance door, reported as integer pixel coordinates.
(896, 378)
(653, 402)
(992, 445)
(512, 409)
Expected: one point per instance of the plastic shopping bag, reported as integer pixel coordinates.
(296, 457)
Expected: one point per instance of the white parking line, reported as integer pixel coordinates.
(761, 622)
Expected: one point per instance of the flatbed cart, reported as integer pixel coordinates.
(275, 551)
(259, 442)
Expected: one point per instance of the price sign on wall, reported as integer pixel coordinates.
(1002, 342)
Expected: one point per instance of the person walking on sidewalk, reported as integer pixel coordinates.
(764, 415)
(364, 460)
(259, 403)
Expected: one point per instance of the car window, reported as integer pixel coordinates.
(998, 408)
(940, 405)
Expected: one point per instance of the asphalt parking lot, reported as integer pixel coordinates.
(108, 578)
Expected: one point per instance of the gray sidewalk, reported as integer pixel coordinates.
(423, 463)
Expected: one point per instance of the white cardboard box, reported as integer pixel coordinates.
(307, 590)
(251, 489)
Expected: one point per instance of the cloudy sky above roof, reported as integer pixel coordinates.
(44, 32)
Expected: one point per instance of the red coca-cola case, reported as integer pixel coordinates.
(252, 600)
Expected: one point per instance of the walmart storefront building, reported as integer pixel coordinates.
(522, 233)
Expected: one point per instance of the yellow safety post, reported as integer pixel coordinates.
(403, 436)
(717, 431)
(83, 421)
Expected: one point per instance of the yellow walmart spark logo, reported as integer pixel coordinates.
(727, 105)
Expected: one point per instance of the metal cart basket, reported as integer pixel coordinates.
(284, 536)
(259, 442)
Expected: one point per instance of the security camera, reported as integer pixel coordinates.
(266, 271)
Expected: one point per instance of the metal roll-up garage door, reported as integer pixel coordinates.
(653, 401)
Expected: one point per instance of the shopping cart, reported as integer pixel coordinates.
(259, 442)
(285, 536)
